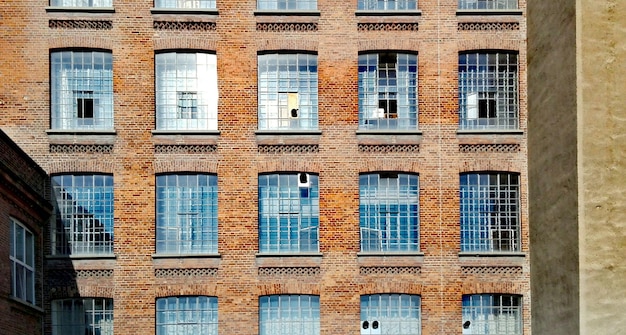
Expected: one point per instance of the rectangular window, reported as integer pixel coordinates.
(387, 4)
(186, 210)
(287, 4)
(393, 314)
(487, 4)
(289, 314)
(186, 91)
(287, 92)
(82, 3)
(387, 91)
(488, 90)
(288, 213)
(388, 212)
(492, 314)
(82, 316)
(22, 258)
(490, 212)
(195, 315)
(84, 219)
(81, 90)
(191, 4)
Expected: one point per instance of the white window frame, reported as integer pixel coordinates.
(22, 258)
(487, 4)
(485, 314)
(82, 3)
(186, 315)
(287, 4)
(387, 5)
(82, 316)
(185, 4)
(391, 314)
(290, 314)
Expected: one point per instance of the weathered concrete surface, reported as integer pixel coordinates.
(577, 164)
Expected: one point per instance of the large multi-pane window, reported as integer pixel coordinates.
(186, 91)
(22, 256)
(488, 4)
(186, 210)
(289, 315)
(393, 314)
(81, 3)
(490, 211)
(287, 4)
(388, 212)
(387, 91)
(190, 4)
(488, 90)
(499, 314)
(192, 315)
(82, 316)
(288, 212)
(84, 214)
(387, 4)
(287, 92)
(81, 90)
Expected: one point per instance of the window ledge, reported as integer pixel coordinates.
(492, 259)
(185, 256)
(187, 261)
(411, 12)
(185, 11)
(81, 136)
(302, 259)
(515, 254)
(26, 307)
(490, 137)
(485, 12)
(390, 258)
(56, 9)
(185, 137)
(276, 12)
(277, 137)
(385, 137)
(80, 263)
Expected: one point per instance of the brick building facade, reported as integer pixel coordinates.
(326, 159)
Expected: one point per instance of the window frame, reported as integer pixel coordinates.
(282, 86)
(377, 313)
(288, 213)
(488, 5)
(496, 228)
(77, 3)
(376, 190)
(492, 304)
(200, 211)
(486, 76)
(373, 5)
(399, 87)
(186, 72)
(278, 313)
(186, 4)
(288, 5)
(23, 262)
(90, 204)
(197, 320)
(102, 313)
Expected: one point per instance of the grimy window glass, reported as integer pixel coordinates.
(82, 3)
(487, 4)
(22, 256)
(289, 315)
(499, 314)
(392, 314)
(184, 4)
(82, 316)
(287, 4)
(193, 315)
(387, 4)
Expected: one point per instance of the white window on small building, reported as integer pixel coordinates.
(289, 315)
(391, 314)
(387, 4)
(485, 314)
(186, 91)
(82, 316)
(193, 315)
(22, 256)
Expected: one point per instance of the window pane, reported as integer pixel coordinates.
(492, 314)
(22, 256)
(397, 314)
(195, 315)
(84, 214)
(82, 316)
(206, 4)
(488, 4)
(287, 4)
(82, 3)
(387, 4)
(289, 314)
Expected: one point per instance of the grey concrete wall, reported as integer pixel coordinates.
(552, 161)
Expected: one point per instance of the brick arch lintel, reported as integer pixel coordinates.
(383, 287)
(289, 165)
(489, 43)
(98, 166)
(493, 287)
(389, 44)
(178, 42)
(81, 291)
(80, 41)
(288, 287)
(210, 289)
(186, 166)
(286, 44)
(489, 165)
(397, 165)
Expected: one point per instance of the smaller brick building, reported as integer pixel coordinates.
(23, 212)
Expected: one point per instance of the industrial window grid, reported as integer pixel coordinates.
(22, 256)
(82, 3)
(81, 90)
(186, 91)
(488, 4)
(387, 91)
(288, 212)
(488, 90)
(289, 314)
(389, 212)
(490, 211)
(186, 211)
(287, 96)
(187, 4)
(287, 4)
(186, 315)
(393, 314)
(492, 314)
(387, 4)
(84, 214)
(82, 316)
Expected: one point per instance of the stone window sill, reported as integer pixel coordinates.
(490, 137)
(386, 137)
(304, 259)
(390, 258)
(181, 137)
(81, 136)
(92, 10)
(81, 262)
(186, 261)
(492, 258)
(494, 12)
(393, 13)
(274, 12)
(185, 11)
(275, 137)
